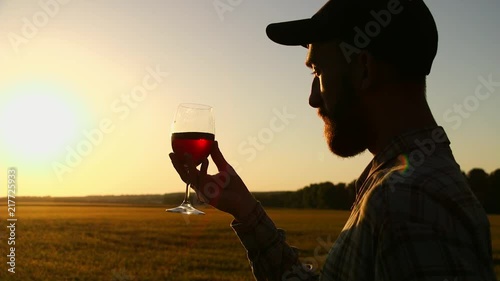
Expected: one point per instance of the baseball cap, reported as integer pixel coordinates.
(402, 32)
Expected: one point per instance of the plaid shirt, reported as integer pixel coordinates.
(415, 218)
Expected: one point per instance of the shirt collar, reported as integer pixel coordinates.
(423, 140)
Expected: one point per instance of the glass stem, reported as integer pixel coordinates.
(186, 196)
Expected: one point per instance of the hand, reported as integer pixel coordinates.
(224, 190)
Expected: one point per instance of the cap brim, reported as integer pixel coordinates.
(297, 32)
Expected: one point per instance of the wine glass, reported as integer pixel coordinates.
(193, 132)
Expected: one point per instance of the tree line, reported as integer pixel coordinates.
(341, 196)
(325, 195)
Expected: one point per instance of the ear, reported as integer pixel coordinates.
(366, 70)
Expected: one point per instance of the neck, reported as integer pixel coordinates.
(396, 113)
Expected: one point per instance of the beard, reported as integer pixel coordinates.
(346, 131)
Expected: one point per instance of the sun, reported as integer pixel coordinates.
(37, 122)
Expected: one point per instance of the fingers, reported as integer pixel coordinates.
(218, 158)
(179, 167)
(199, 180)
(204, 168)
(201, 197)
(192, 173)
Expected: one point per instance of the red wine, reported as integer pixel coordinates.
(194, 143)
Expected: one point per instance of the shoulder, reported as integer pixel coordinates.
(432, 193)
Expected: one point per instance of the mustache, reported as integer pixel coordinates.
(326, 116)
(322, 112)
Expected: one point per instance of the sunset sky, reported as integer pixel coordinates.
(88, 90)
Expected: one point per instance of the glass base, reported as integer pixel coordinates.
(185, 208)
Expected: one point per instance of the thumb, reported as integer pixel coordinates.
(218, 158)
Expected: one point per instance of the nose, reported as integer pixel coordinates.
(315, 97)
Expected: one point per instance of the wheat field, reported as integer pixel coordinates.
(122, 243)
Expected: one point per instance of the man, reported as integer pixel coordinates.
(415, 218)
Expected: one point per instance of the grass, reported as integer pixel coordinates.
(121, 243)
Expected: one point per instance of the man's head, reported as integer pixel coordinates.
(356, 49)
(337, 98)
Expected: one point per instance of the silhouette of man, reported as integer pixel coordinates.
(415, 217)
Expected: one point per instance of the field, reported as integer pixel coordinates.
(121, 243)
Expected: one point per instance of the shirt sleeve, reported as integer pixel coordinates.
(271, 258)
